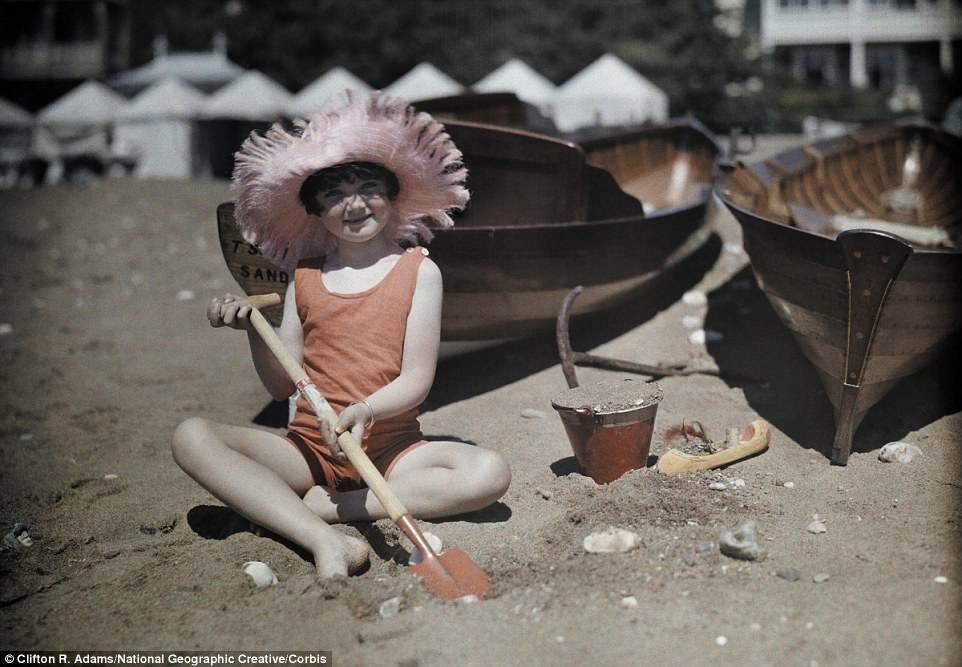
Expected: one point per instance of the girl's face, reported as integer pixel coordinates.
(355, 211)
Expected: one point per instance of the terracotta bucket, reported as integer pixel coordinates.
(609, 425)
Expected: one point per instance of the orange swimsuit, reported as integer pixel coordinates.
(353, 345)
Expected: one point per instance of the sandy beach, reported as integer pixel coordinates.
(105, 349)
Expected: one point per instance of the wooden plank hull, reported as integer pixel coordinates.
(545, 216)
(867, 308)
(507, 268)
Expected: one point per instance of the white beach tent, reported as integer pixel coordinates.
(250, 102)
(516, 76)
(329, 87)
(608, 92)
(15, 127)
(159, 127)
(253, 96)
(205, 70)
(424, 81)
(80, 121)
(12, 115)
(15, 137)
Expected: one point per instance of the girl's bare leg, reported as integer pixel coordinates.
(260, 476)
(434, 480)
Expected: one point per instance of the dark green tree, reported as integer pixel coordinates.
(675, 44)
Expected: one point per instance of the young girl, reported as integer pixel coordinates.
(334, 197)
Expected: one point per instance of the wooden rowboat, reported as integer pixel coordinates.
(547, 215)
(856, 243)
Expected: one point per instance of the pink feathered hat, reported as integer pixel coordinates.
(270, 168)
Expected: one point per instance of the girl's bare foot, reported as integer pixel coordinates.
(340, 555)
(318, 500)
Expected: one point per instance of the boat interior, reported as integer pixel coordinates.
(904, 179)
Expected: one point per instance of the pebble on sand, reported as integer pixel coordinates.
(717, 486)
(899, 452)
(788, 574)
(821, 577)
(702, 336)
(941, 580)
(260, 573)
(734, 248)
(629, 601)
(742, 542)
(6, 329)
(610, 541)
(17, 537)
(531, 413)
(694, 298)
(817, 527)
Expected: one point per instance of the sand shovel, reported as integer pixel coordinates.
(449, 575)
(752, 440)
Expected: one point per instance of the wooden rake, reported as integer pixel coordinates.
(449, 575)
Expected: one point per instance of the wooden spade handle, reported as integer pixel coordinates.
(348, 443)
(260, 300)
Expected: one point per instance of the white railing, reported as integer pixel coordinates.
(859, 20)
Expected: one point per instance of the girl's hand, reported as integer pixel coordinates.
(356, 418)
(224, 311)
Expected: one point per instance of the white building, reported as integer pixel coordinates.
(868, 43)
(204, 70)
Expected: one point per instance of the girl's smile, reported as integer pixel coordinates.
(355, 211)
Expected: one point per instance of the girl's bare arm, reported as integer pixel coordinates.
(422, 341)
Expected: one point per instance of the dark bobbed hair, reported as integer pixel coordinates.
(349, 171)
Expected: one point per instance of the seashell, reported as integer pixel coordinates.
(817, 527)
(390, 607)
(260, 573)
(741, 542)
(629, 601)
(899, 452)
(611, 541)
(433, 541)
